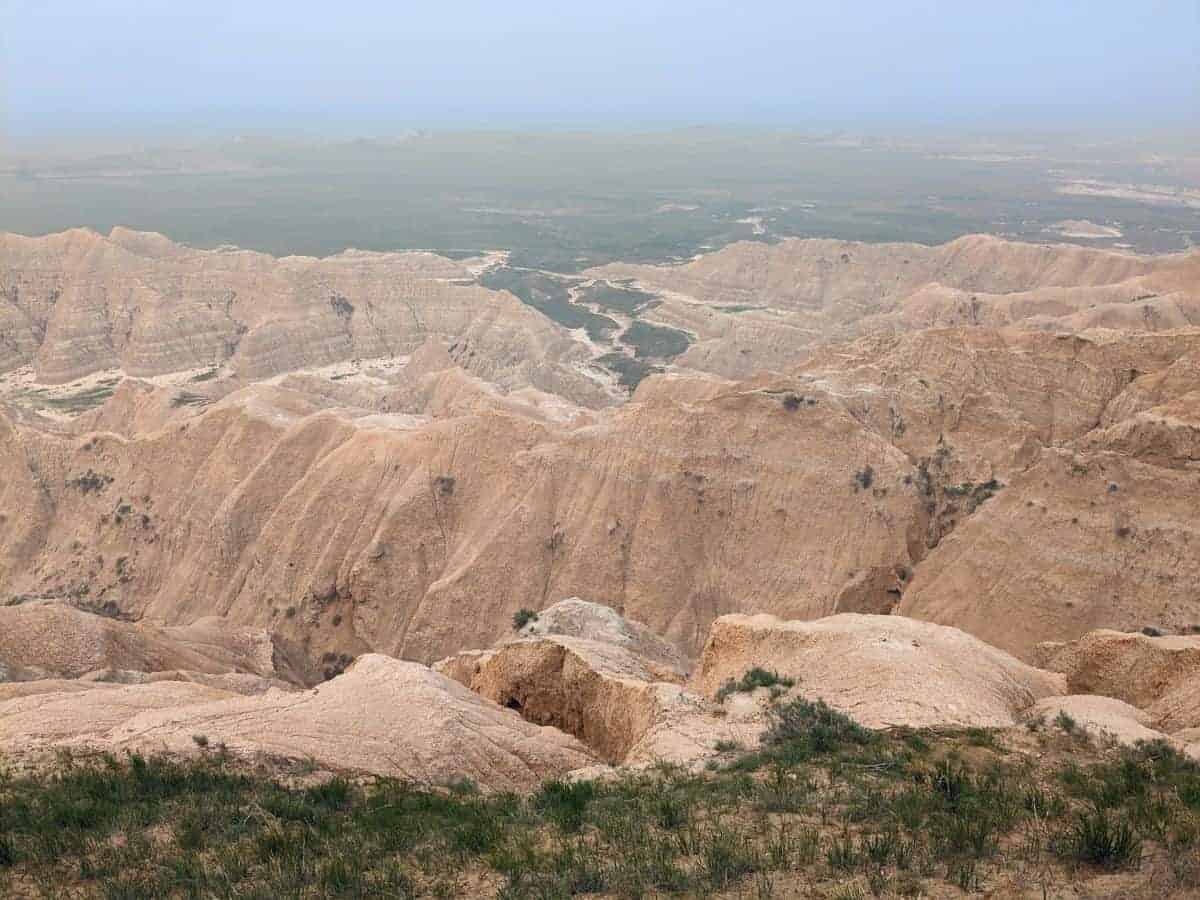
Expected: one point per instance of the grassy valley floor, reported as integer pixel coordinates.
(823, 808)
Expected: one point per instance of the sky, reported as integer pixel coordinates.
(375, 66)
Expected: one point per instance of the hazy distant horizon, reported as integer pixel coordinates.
(366, 67)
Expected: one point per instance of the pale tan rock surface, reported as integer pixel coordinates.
(422, 539)
(755, 306)
(412, 501)
(1076, 542)
(1159, 675)
(575, 617)
(40, 639)
(1178, 709)
(45, 715)
(11, 690)
(609, 681)
(1104, 717)
(880, 670)
(382, 716)
(1137, 668)
(283, 509)
(234, 682)
(600, 693)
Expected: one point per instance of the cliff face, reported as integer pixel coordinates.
(421, 540)
(78, 302)
(961, 476)
(1021, 483)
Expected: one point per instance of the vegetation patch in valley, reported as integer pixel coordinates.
(550, 296)
(822, 806)
(618, 298)
(655, 341)
(74, 402)
(629, 371)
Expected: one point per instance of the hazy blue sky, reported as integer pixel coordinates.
(219, 63)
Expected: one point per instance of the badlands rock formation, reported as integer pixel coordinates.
(895, 474)
(577, 618)
(358, 532)
(608, 681)
(881, 670)
(313, 461)
(40, 716)
(1158, 674)
(754, 306)
(383, 716)
(1137, 668)
(50, 639)
(546, 703)
(80, 302)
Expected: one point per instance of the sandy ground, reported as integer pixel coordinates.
(1153, 195)
(1082, 228)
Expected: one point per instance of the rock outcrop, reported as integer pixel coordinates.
(880, 670)
(893, 474)
(49, 639)
(1159, 674)
(41, 716)
(382, 716)
(1102, 717)
(609, 681)
(346, 533)
(1078, 541)
(993, 475)
(1136, 668)
(577, 618)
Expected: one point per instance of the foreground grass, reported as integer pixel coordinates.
(823, 808)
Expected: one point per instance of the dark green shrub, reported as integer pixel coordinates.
(1101, 840)
(565, 803)
(864, 478)
(523, 617)
(817, 726)
(756, 677)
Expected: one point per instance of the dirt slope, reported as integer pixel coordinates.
(357, 534)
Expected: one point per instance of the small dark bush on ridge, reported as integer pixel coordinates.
(523, 617)
(754, 678)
